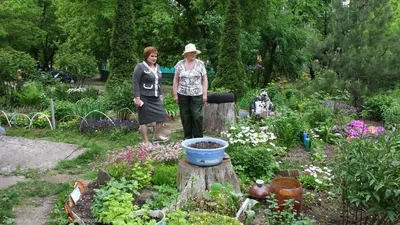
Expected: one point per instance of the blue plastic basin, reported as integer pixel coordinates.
(204, 157)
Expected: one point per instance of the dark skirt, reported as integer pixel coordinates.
(152, 110)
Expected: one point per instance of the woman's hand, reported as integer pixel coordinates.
(204, 98)
(176, 99)
(138, 102)
(161, 98)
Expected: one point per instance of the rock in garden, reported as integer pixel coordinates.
(2, 131)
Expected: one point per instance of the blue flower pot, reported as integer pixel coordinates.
(204, 157)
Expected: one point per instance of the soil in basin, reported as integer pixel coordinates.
(206, 145)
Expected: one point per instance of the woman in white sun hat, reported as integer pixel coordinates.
(190, 91)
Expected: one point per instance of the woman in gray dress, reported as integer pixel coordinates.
(148, 94)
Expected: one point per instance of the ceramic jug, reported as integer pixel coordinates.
(259, 190)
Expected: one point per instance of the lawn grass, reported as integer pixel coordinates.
(18, 194)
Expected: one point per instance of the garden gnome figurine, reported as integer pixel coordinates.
(2, 131)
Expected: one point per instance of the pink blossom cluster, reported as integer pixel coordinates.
(132, 156)
(151, 152)
(358, 128)
(163, 153)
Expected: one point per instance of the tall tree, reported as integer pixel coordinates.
(87, 26)
(282, 43)
(365, 47)
(230, 71)
(19, 25)
(123, 57)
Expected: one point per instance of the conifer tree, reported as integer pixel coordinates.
(364, 46)
(230, 70)
(123, 58)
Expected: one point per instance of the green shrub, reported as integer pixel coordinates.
(287, 128)
(368, 169)
(164, 174)
(63, 109)
(376, 105)
(391, 114)
(256, 162)
(120, 100)
(31, 94)
(162, 197)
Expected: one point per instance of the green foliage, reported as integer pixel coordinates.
(255, 162)
(86, 105)
(18, 193)
(369, 171)
(20, 25)
(230, 72)
(170, 105)
(120, 99)
(31, 94)
(287, 128)
(162, 197)
(355, 54)
(141, 172)
(376, 105)
(96, 19)
(123, 58)
(11, 62)
(197, 218)
(287, 216)
(391, 115)
(245, 101)
(112, 203)
(326, 81)
(62, 109)
(82, 65)
(164, 174)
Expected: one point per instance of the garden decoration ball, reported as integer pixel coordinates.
(2, 131)
(204, 157)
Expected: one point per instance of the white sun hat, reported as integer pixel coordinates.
(191, 48)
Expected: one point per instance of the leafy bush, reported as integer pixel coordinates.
(376, 105)
(170, 105)
(63, 109)
(82, 65)
(120, 100)
(164, 174)
(184, 218)
(113, 202)
(287, 216)
(287, 128)
(31, 95)
(88, 105)
(391, 114)
(369, 173)
(254, 162)
(163, 197)
(131, 164)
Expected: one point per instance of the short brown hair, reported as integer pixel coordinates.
(148, 50)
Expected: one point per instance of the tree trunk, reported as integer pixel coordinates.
(193, 180)
(217, 115)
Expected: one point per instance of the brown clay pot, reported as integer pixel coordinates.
(259, 190)
(286, 188)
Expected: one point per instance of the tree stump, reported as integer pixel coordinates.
(194, 180)
(216, 116)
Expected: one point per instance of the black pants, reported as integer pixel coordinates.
(191, 111)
